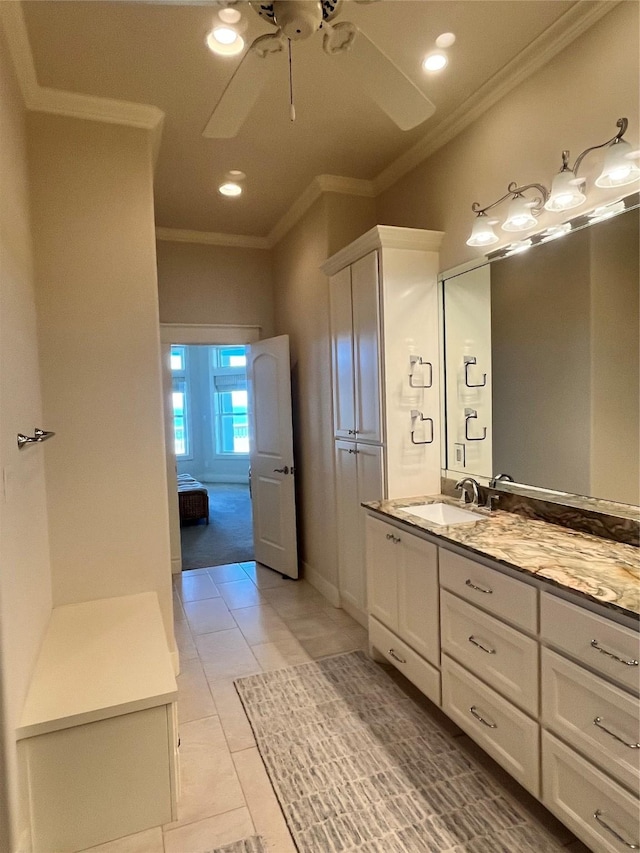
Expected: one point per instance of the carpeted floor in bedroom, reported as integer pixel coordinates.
(228, 538)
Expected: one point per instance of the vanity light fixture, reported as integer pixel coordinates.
(521, 214)
(618, 170)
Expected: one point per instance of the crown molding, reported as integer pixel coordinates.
(210, 238)
(383, 237)
(319, 185)
(577, 20)
(71, 104)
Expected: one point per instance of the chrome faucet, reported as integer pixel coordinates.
(504, 477)
(469, 486)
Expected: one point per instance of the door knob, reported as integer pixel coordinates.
(284, 470)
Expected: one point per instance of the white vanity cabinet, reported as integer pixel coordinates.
(383, 297)
(403, 599)
(547, 687)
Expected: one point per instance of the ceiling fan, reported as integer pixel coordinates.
(360, 59)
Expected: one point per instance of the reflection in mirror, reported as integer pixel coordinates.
(542, 361)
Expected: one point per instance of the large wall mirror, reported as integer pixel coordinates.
(542, 357)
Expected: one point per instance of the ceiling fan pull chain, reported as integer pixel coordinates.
(292, 109)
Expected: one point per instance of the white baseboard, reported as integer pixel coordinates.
(175, 661)
(355, 612)
(176, 565)
(323, 586)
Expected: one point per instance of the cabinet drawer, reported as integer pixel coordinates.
(602, 645)
(508, 735)
(510, 599)
(576, 792)
(412, 666)
(593, 716)
(496, 653)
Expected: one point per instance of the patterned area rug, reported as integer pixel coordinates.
(357, 765)
(247, 845)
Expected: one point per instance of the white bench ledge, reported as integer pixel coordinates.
(99, 659)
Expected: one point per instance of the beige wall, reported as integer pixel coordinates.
(215, 285)
(25, 581)
(573, 102)
(92, 203)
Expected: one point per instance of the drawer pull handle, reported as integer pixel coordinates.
(479, 588)
(597, 815)
(475, 713)
(598, 722)
(396, 657)
(594, 645)
(486, 649)
(394, 539)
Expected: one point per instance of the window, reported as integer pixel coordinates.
(229, 386)
(180, 403)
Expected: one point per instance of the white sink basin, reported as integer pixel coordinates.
(443, 514)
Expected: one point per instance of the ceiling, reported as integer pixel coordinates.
(154, 53)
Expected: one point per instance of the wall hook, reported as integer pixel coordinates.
(471, 359)
(38, 436)
(417, 360)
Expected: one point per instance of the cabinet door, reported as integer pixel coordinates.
(418, 605)
(351, 570)
(342, 354)
(366, 347)
(382, 556)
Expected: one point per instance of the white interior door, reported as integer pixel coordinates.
(172, 483)
(271, 455)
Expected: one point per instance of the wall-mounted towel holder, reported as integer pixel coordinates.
(38, 436)
(416, 414)
(469, 414)
(471, 359)
(417, 360)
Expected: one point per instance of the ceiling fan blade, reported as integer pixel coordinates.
(384, 83)
(239, 96)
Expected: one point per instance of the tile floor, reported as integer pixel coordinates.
(237, 620)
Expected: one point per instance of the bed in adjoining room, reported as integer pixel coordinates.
(193, 499)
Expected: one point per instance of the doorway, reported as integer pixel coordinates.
(211, 442)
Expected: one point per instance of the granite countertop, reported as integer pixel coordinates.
(599, 569)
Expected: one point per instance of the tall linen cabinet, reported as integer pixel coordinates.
(386, 383)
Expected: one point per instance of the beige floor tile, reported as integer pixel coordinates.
(359, 635)
(209, 615)
(239, 594)
(225, 655)
(194, 697)
(229, 572)
(279, 654)
(209, 783)
(235, 724)
(342, 618)
(295, 591)
(289, 607)
(261, 624)
(149, 841)
(178, 610)
(263, 577)
(308, 627)
(195, 587)
(184, 641)
(262, 802)
(205, 835)
(332, 644)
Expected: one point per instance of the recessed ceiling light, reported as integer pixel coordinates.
(235, 175)
(225, 41)
(435, 62)
(230, 189)
(229, 15)
(445, 40)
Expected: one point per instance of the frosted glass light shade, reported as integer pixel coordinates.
(482, 233)
(565, 192)
(519, 217)
(619, 167)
